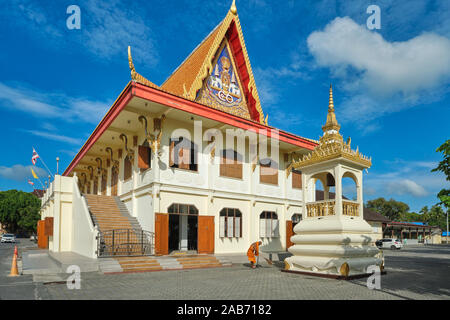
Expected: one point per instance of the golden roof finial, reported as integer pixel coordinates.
(331, 103)
(130, 61)
(331, 123)
(233, 8)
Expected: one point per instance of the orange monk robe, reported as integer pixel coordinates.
(252, 252)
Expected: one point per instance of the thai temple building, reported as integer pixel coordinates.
(193, 166)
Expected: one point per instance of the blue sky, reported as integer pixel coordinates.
(391, 86)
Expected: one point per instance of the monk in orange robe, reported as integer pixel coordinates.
(253, 252)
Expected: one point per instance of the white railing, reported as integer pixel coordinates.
(350, 208)
(320, 208)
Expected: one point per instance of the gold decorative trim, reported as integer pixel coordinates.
(345, 269)
(207, 64)
(136, 76)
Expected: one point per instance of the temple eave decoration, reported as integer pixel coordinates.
(136, 76)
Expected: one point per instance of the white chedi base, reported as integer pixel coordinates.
(340, 246)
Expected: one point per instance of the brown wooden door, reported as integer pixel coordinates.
(206, 234)
(161, 234)
(42, 238)
(289, 233)
(114, 181)
(103, 187)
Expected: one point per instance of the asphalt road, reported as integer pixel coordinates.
(13, 288)
(412, 273)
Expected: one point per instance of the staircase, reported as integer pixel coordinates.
(122, 241)
(106, 214)
(149, 264)
(120, 234)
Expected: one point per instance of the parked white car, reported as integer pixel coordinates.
(8, 237)
(389, 243)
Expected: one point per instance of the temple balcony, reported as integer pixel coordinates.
(327, 208)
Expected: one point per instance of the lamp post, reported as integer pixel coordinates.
(57, 164)
(447, 225)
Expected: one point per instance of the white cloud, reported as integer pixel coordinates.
(386, 67)
(19, 172)
(380, 76)
(55, 137)
(107, 28)
(406, 186)
(51, 105)
(112, 26)
(405, 178)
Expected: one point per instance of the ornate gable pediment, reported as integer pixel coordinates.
(223, 89)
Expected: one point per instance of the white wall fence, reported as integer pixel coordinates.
(73, 229)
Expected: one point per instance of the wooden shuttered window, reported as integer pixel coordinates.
(268, 225)
(230, 223)
(268, 172)
(182, 154)
(48, 226)
(231, 164)
(127, 168)
(144, 160)
(296, 179)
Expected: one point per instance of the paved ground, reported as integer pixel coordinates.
(413, 273)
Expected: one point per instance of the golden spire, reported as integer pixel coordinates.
(331, 123)
(233, 8)
(331, 103)
(332, 145)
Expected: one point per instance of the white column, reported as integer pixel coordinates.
(338, 187)
(359, 192)
(183, 233)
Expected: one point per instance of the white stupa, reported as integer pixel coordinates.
(333, 239)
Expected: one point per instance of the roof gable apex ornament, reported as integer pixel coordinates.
(233, 8)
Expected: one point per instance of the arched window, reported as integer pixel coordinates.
(127, 168)
(177, 208)
(268, 225)
(268, 171)
(230, 223)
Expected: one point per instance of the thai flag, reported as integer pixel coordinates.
(34, 157)
(30, 182)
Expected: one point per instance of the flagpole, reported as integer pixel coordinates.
(28, 181)
(34, 173)
(40, 182)
(44, 163)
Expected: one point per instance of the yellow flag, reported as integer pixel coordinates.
(34, 174)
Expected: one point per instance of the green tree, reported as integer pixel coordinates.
(391, 209)
(444, 167)
(436, 216)
(19, 211)
(411, 217)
